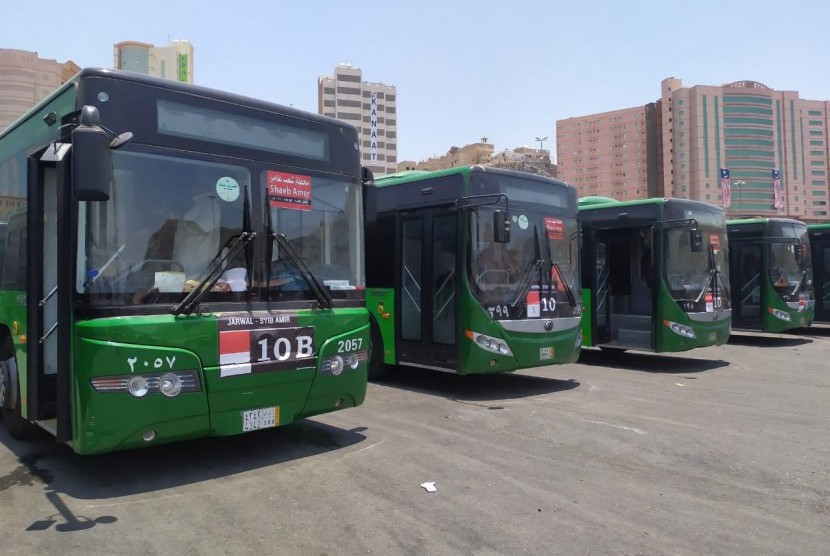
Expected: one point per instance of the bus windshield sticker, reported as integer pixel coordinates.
(522, 220)
(554, 228)
(228, 189)
(289, 191)
(262, 342)
(533, 306)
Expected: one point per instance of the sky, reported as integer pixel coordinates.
(463, 69)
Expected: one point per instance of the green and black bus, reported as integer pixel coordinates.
(654, 274)
(771, 274)
(819, 235)
(181, 262)
(472, 270)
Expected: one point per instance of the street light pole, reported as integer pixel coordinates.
(739, 184)
(541, 143)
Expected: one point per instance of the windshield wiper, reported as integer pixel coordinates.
(234, 246)
(800, 282)
(568, 291)
(320, 292)
(527, 276)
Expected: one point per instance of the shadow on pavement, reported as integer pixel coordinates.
(764, 340)
(474, 387)
(166, 466)
(649, 362)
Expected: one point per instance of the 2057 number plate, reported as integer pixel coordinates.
(255, 419)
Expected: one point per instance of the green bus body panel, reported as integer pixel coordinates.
(707, 333)
(114, 421)
(13, 310)
(381, 304)
(526, 347)
(587, 320)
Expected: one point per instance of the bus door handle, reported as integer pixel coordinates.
(49, 333)
(49, 295)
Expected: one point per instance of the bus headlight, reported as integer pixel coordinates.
(336, 365)
(170, 384)
(137, 386)
(681, 329)
(352, 360)
(783, 315)
(489, 343)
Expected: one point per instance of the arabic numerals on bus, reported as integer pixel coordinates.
(498, 311)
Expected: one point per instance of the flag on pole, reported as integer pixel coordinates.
(778, 202)
(726, 192)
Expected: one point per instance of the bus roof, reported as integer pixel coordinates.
(760, 220)
(186, 88)
(415, 175)
(590, 202)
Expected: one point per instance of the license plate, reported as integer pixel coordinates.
(264, 418)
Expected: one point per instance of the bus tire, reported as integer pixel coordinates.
(15, 424)
(378, 369)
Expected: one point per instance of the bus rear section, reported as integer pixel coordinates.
(185, 263)
(473, 270)
(819, 235)
(655, 276)
(771, 274)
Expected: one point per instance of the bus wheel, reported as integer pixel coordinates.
(15, 424)
(377, 367)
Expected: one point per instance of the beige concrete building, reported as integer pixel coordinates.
(370, 107)
(525, 159)
(26, 79)
(174, 61)
(689, 134)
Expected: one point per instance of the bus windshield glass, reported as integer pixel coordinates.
(321, 219)
(698, 279)
(171, 221)
(789, 257)
(535, 274)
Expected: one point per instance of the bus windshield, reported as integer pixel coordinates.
(789, 259)
(171, 220)
(536, 273)
(697, 279)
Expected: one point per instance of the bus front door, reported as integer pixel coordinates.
(427, 290)
(48, 387)
(745, 275)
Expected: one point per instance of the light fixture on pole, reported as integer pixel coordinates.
(541, 142)
(739, 184)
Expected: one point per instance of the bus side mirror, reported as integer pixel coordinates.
(501, 227)
(695, 240)
(370, 196)
(91, 158)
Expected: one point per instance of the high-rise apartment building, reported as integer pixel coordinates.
(26, 79)
(174, 61)
(370, 107)
(773, 144)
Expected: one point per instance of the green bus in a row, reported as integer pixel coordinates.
(772, 274)
(654, 274)
(472, 270)
(181, 262)
(819, 235)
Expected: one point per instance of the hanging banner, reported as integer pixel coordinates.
(373, 128)
(777, 200)
(726, 191)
